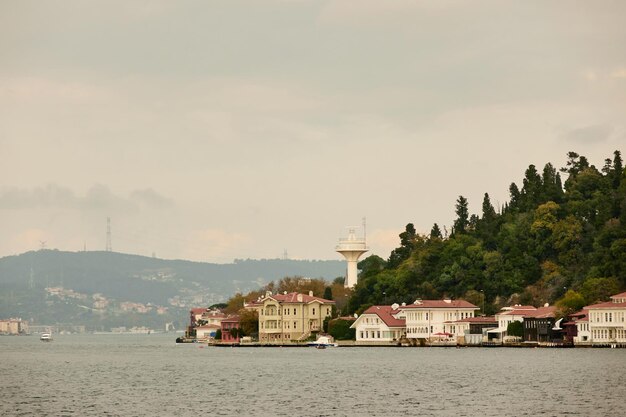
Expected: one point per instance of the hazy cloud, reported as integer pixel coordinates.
(151, 198)
(589, 134)
(97, 197)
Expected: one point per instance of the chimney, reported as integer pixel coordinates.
(299, 298)
(310, 293)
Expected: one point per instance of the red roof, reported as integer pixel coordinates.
(440, 304)
(607, 304)
(198, 310)
(541, 312)
(292, 297)
(620, 295)
(482, 319)
(385, 314)
(209, 326)
(231, 319)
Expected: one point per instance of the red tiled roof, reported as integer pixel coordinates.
(231, 319)
(541, 312)
(483, 319)
(440, 304)
(385, 314)
(198, 310)
(209, 326)
(607, 304)
(292, 297)
(620, 295)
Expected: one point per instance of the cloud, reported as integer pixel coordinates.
(98, 197)
(215, 244)
(589, 134)
(620, 73)
(151, 198)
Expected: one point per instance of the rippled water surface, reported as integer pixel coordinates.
(149, 375)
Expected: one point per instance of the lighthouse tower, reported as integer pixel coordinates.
(351, 248)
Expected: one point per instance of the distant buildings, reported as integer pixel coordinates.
(14, 326)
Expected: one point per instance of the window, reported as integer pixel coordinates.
(313, 310)
(295, 324)
(294, 311)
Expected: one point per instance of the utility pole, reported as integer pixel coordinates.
(108, 245)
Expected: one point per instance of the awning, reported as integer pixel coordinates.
(498, 330)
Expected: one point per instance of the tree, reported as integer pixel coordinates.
(340, 329)
(249, 323)
(328, 293)
(515, 328)
(571, 302)
(407, 242)
(435, 232)
(462, 215)
(218, 334)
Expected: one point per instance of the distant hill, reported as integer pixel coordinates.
(119, 278)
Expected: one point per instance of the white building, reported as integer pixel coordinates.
(380, 325)
(607, 321)
(425, 319)
(506, 316)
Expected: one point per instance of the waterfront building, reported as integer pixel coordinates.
(380, 325)
(541, 326)
(206, 332)
(576, 330)
(228, 325)
(425, 319)
(470, 330)
(13, 326)
(290, 317)
(607, 321)
(506, 316)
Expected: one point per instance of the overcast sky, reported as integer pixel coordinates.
(214, 130)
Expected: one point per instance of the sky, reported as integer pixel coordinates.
(216, 130)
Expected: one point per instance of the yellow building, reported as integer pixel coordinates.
(290, 317)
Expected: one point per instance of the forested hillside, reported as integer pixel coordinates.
(554, 241)
(105, 289)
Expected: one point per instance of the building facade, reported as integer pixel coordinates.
(290, 317)
(380, 325)
(426, 319)
(607, 321)
(230, 327)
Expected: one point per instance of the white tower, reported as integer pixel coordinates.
(352, 248)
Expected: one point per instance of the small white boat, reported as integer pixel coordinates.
(323, 342)
(46, 337)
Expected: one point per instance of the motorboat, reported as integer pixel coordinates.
(46, 337)
(323, 342)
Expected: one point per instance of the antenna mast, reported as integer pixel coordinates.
(108, 247)
(364, 230)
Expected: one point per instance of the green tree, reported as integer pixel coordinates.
(435, 232)
(462, 215)
(571, 302)
(515, 328)
(328, 293)
(340, 329)
(218, 334)
(249, 323)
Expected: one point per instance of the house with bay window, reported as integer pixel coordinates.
(290, 317)
(426, 319)
(607, 321)
(380, 325)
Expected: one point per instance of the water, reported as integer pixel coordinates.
(148, 375)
